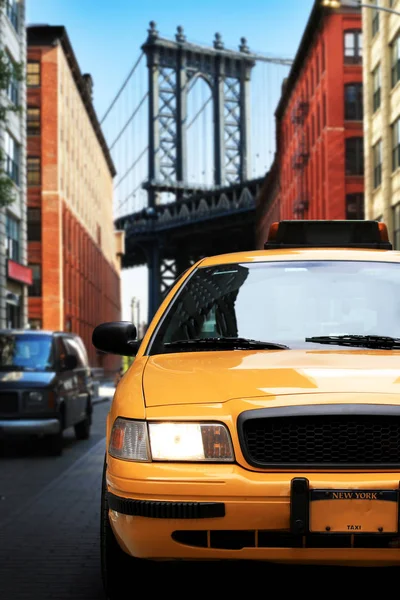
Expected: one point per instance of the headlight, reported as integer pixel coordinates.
(34, 399)
(132, 440)
(190, 441)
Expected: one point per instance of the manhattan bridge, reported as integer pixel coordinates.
(191, 132)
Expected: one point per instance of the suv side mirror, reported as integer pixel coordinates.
(70, 362)
(116, 337)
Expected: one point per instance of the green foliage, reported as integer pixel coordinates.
(8, 71)
(7, 191)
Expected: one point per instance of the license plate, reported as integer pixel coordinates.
(354, 511)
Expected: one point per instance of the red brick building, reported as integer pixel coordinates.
(318, 168)
(73, 249)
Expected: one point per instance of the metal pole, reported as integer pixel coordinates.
(356, 4)
(154, 280)
(133, 301)
(376, 7)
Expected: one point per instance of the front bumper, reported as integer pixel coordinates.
(254, 515)
(21, 427)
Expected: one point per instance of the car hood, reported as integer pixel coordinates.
(204, 377)
(25, 379)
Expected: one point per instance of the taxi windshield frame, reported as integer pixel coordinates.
(157, 339)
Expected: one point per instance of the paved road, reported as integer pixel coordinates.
(49, 539)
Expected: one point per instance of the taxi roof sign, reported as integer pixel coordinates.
(328, 234)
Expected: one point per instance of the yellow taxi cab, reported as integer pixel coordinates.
(260, 418)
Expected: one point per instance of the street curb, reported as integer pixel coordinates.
(101, 400)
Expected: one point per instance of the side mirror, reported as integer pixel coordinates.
(117, 337)
(70, 362)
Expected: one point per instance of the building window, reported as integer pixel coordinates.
(353, 47)
(377, 155)
(13, 84)
(355, 206)
(375, 18)
(11, 149)
(396, 144)
(395, 48)
(35, 289)
(33, 121)
(35, 324)
(33, 74)
(13, 239)
(34, 225)
(12, 316)
(33, 170)
(12, 12)
(396, 226)
(354, 156)
(376, 75)
(353, 102)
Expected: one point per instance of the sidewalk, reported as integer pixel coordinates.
(106, 393)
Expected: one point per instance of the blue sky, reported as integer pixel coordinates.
(107, 34)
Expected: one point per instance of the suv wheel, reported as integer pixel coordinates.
(82, 429)
(116, 565)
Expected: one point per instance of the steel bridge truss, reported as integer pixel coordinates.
(173, 68)
(169, 238)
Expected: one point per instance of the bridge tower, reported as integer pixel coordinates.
(172, 67)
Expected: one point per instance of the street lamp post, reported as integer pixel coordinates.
(340, 3)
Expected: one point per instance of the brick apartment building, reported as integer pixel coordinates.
(73, 250)
(318, 168)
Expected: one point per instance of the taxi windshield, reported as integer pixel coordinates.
(284, 302)
(25, 352)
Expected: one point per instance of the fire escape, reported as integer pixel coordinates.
(300, 159)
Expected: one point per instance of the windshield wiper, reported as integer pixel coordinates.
(366, 341)
(225, 342)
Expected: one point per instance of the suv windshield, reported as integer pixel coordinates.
(26, 352)
(283, 302)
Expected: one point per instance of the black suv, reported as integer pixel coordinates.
(45, 386)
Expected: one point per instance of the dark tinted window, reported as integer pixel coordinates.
(355, 206)
(354, 156)
(353, 96)
(73, 348)
(61, 352)
(34, 224)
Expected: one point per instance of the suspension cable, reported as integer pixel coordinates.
(133, 165)
(123, 86)
(129, 195)
(199, 112)
(133, 115)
